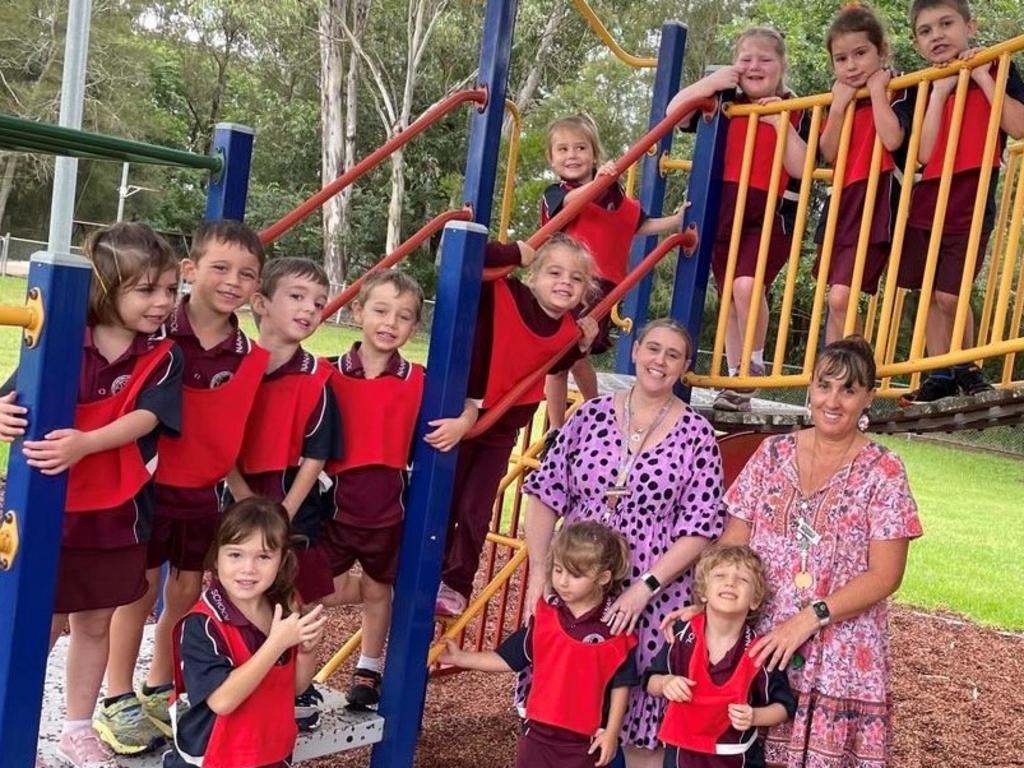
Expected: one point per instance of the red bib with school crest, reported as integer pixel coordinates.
(378, 418)
(278, 419)
(699, 723)
(212, 426)
(607, 235)
(563, 664)
(518, 351)
(109, 478)
(261, 730)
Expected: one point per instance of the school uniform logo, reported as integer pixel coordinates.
(593, 638)
(220, 379)
(120, 383)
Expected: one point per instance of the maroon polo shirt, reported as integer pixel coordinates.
(203, 368)
(517, 651)
(129, 523)
(539, 321)
(370, 496)
(322, 440)
(610, 199)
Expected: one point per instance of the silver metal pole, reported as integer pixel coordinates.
(122, 192)
(72, 97)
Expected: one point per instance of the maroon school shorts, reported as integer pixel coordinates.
(91, 579)
(375, 549)
(840, 266)
(314, 580)
(746, 259)
(182, 543)
(545, 750)
(950, 266)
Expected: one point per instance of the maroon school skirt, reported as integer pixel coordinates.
(90, 579)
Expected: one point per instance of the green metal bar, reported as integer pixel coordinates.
(50, 148)
(15, 129)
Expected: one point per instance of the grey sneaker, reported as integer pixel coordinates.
(737, 400)
(124, 727)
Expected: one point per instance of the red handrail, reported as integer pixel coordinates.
(686, 239)
(601, 183)
(428, 118)
(408, 246)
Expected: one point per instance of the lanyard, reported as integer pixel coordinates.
(627, 459)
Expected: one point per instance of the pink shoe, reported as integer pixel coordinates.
(82, 748)
(449, 602)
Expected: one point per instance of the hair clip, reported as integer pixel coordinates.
(103, 283)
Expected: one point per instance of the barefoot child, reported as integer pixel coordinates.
(129, 392)
(718, 697)
(222, 370)
(378, 393)
(244, 650)
(582, 674)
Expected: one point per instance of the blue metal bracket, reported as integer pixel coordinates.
(47, 384)
(652, 183)
(228, 190)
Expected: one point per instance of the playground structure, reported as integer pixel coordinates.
(58, 283)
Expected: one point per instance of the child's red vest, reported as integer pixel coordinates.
(378, 418)
(518, 351)
(261, 731)
(569, 676)
(110, 478)
(971, 146)
(607, 235)
(277, 422)
(698, 724)
(212, 427)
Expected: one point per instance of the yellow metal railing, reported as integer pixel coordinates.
(602, 32)
(999, 330)
(515, 135)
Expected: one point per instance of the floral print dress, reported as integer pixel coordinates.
(842, 689)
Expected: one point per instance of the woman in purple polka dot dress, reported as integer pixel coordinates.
(644, 464)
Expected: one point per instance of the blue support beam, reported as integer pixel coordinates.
(47, 384)
(652, 182)
(226, 196)
(451, 341)
(705, 193)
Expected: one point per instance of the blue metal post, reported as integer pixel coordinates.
(451, 340)
(705, 192)
(225, 198)
(652, 182)
(47, 384)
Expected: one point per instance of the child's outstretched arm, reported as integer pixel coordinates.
(659, 225)
(887, 124)
(12, 418)
(244, 679)
(448, 433)
(62, 448)
(606, 740)
(482, 661)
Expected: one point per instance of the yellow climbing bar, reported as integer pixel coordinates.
(602, 32)
(515, 135)
(30, 316)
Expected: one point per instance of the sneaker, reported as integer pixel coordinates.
(156, 707)
(307, 709)
(82, 748)
(730, 399)
(124, 727)
(971, 379)
(937, 385)
(364, 695)
(449, 602)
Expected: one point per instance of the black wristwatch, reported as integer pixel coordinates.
(821, 612)
(652, 582)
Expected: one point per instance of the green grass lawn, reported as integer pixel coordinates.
(969, 559)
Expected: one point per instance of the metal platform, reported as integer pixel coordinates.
(339, 730)
(950, 414)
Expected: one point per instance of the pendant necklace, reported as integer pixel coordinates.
(637, 437)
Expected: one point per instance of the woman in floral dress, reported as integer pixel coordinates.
(647, 466)
(831, 514)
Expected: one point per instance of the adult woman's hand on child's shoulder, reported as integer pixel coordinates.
(623, 614)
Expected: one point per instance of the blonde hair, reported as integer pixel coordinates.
(579, 250)
(739, 555)
(121, 255)
(581, 124)
(588, 549)
(775, 41)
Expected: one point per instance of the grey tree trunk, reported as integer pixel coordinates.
(332, 135)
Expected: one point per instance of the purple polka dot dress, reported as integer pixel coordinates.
(676, 490)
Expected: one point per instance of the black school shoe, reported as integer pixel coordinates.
(364, 695)
(971, 379)
(937, 385)
(307, 709)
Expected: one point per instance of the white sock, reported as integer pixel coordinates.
(734, 371)
(757, 357)
(74, 725)
(365, 662)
